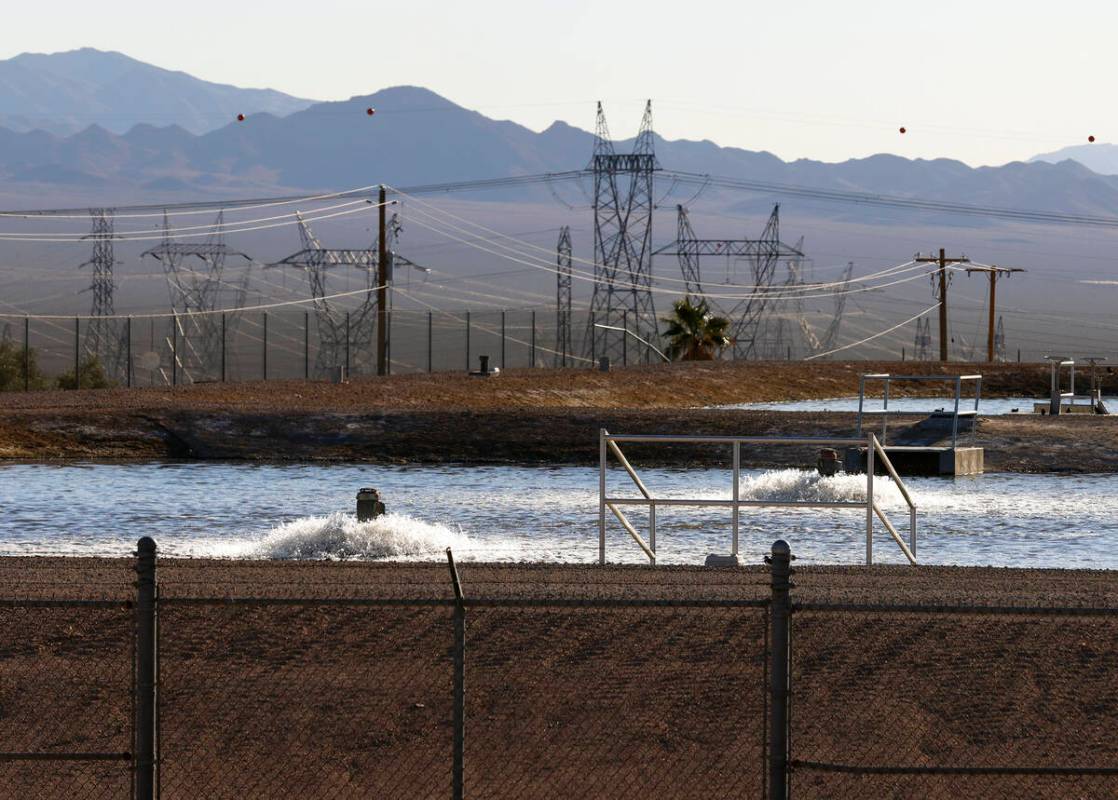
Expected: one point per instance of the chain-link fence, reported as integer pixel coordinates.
(66, 691)
(519, 691)
(934, 702)
(293, 344)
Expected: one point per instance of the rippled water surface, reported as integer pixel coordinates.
(537, 514)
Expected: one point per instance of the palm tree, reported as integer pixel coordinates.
(694, 333)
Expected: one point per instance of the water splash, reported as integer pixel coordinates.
(794, 485)
(340, 536)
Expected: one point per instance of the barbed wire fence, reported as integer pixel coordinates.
(517, 691)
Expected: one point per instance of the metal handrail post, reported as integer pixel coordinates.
(652, 532)
(602, 432)
(869, 497)
(912, 529)
(974, 422)
(861, 401)
(885, 414)
(955, 421)
(737, 497)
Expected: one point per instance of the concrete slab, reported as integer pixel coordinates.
(921, 460)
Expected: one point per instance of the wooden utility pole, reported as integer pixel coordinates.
(382, 285)
(995, 272)
(942, 261)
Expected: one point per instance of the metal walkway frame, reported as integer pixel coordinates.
(886, 379)
(610, 443)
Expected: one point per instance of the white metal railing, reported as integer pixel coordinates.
(609, 443)
(1057, 397)
(886, 378)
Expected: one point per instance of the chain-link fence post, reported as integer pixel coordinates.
(144, 725)
(224, 349)
(174, 350)
(625, 339)
(26, 354)
(780, 563)
(459, 714)
(77, 353)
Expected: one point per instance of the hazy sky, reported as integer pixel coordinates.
(985, 82)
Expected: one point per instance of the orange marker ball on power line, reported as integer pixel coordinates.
(903, 129)
(240, 118)
(1090, 138)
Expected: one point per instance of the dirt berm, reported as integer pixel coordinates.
(523, 416)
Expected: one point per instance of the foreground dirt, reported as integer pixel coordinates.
(335, 700)
(533, 417)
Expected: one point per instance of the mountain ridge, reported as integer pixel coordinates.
(417, 136)
(65, 92)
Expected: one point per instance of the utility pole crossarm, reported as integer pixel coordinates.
(942, 261)
(995, 272)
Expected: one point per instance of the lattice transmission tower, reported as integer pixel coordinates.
(922, 345)
(623, 206)
(563, 345)
(779, 333)
(102, 338)
(344, 337)
(195, 273)
(762, 255)
(830, 336)
(999, 341)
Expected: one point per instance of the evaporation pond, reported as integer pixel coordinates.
(537, 514)
(994, 406)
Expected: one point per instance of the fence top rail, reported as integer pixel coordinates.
(927, 608)
(59, 603)
(890, 377)
(859, 769)
(476, 602)
(687, 439)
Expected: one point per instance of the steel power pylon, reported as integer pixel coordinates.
(688, 259)
(999, 341)
(781, 345)
(831, 335)
(344, 337)
(196, 294)
(563, 349)
(922, 344)
(101, 340)
(762, 254)
(623, 206)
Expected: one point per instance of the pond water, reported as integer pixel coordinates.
(537, 514)
(994, 406)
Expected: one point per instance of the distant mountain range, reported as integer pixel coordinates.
(415, 136)
(1097, 157)
(63, 93)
